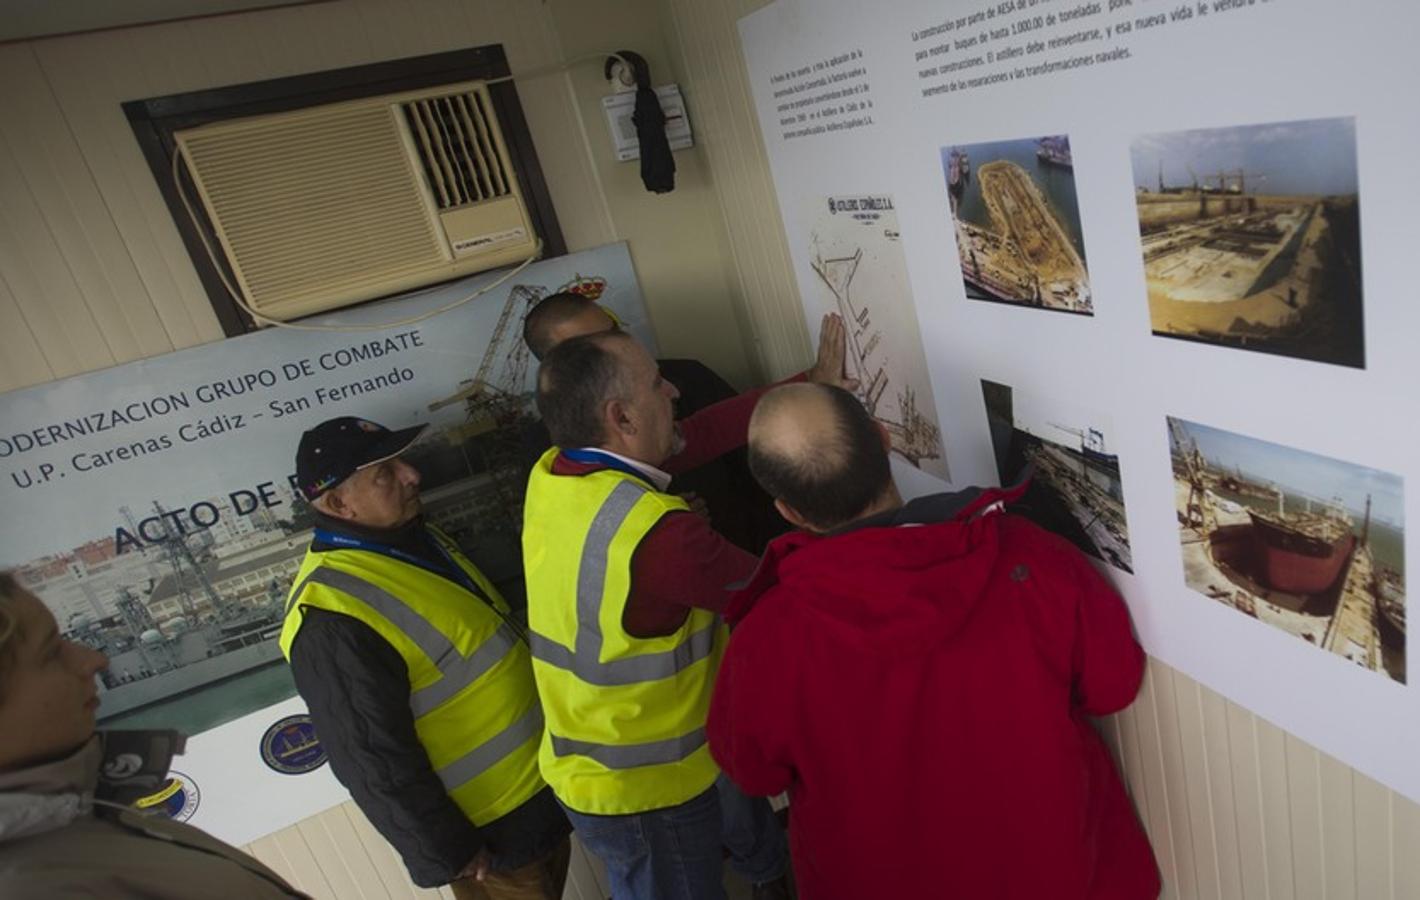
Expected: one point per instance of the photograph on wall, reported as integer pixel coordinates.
(1017, 221)
(153, 505)
(1075, 488)
(858, 261)
(1308, 544)
(1251, 237)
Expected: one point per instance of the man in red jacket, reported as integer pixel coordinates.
(918, 677)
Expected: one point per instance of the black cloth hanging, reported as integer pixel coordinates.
(657, 163)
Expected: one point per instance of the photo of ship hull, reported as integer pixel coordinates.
(1313, 547)
(1075, 488)
(1251, 237)
(1017, 223)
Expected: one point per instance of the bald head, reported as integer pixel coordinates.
(816, 450)
(561, 317)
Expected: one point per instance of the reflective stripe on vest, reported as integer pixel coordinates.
(488, 754)
(585, 662)
(458, 671)
(629, 756)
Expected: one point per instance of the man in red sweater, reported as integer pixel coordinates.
(918, 677)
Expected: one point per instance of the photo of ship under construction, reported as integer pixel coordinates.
(1251, 237)
(1306, 543)
(1075, 489)
(189, 615)
(1017, 222)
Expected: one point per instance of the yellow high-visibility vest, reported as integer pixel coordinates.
(470, 677)
(625, 715)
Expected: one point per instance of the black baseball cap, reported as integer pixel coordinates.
(338, 448)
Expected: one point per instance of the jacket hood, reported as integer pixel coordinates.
(50, 795)
(897, 583)
(117, 767)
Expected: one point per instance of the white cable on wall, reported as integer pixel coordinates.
(260, 319)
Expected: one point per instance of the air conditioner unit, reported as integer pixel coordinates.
(326, 206)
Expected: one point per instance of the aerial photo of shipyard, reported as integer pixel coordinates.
(1075, 488)
(1251, 237)
(1017, 223)
(1308, 544)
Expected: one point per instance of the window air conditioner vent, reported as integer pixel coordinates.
(452, 141)
(326, 206)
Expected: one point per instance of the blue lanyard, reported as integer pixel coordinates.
(600, 458)
(451, 569)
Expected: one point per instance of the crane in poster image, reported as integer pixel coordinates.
(914, 436)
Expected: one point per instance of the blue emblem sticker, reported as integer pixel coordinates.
(178, 799)
(291, 747)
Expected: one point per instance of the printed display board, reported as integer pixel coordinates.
(151, 508)
(1220, 194)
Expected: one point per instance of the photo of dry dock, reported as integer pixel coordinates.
(1251, 237)
(1308, 544)
(1017, 223)
(1075, 488)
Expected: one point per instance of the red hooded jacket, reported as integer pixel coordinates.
(920, 687)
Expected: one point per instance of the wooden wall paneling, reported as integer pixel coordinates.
(717, 94)
(1131, 765)
(1304, 805)
(22, 362)
(330, 38)
(328, 860)
(1405, 847)
(302, 869)
(76, 214)
(550, 109)
(388, 867)
(1242, 759)
(1201, 818)
(1159, 822)
(1186, 853)
(347, 866)
(39, 277)
(1338, 828)
(1277, 809)
(1375, 869)
(229, 54)
(91, 75)
(1221, 793)
(393, 31)
(268, 850)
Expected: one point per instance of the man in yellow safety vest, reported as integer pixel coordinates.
(417, 678)
(625, 587)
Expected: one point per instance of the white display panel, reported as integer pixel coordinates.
(1222, 193)
(150, 507)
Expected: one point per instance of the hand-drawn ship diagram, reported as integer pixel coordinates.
(888, 395)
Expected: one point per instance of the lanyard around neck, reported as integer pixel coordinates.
(451, 569)
(594, 457)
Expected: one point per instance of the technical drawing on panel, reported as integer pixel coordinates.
(857, 256)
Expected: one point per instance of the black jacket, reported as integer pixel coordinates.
(357, 689)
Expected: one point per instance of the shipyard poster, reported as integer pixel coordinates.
(1161, 255)
(152, 507)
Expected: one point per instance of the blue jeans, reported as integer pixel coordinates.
(676, 853)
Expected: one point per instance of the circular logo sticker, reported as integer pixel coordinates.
(177, 799)
(291, 746)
